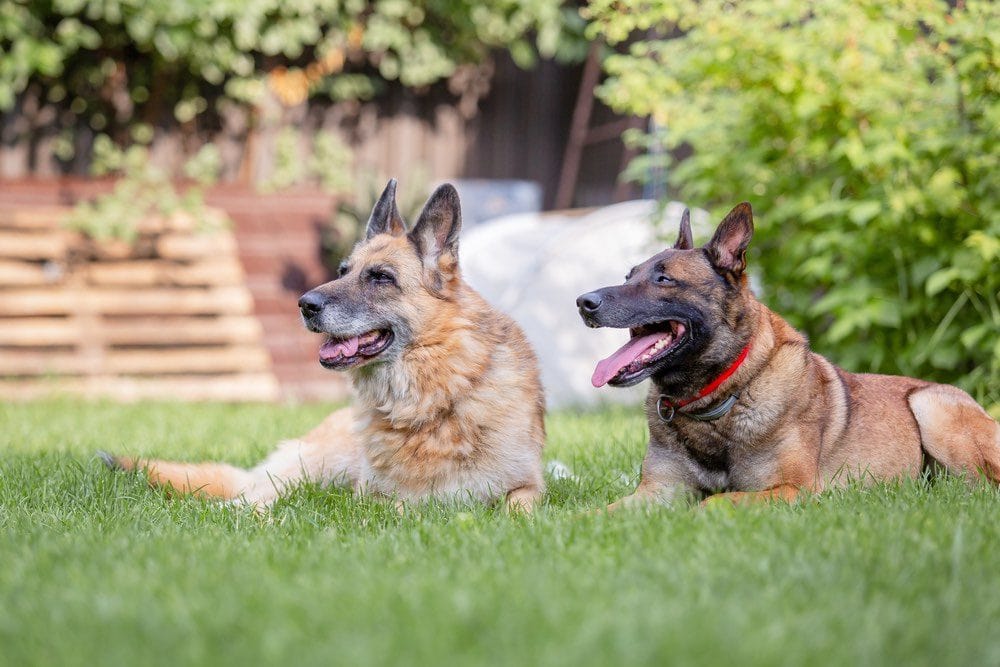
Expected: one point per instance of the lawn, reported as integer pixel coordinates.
(97, 569)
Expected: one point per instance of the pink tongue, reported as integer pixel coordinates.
(335, 349)
(629, 352)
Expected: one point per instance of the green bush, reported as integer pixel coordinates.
(142, 192)
(865, 134)
(122, 65)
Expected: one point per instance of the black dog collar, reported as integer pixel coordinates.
(709, 415)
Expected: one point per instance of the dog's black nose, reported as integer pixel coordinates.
(589, 302)
(311, 303)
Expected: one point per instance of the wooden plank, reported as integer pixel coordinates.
(235, 387)
(196, 246)
(33, 217)
(146, 301)
(237, 358)
(181, 331)
(24, 274)
(28, 245)
(221, 271)
(36, 302)
(34, 364)
(214, 271)
(39, 332)
(123, 274)
(49, 331)
(158, 224)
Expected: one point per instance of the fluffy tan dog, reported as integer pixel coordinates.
(448, 398)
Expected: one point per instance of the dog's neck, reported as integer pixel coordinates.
(687, 380)
(434, 372)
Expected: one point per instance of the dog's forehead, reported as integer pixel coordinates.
(667, 259)
(384, 248)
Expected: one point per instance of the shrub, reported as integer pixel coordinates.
(143, 193)
(865, 134)
(127, 66)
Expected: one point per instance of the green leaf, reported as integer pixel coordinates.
(862, 212)
(939, 280)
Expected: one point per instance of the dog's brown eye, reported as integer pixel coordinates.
(343, 269)
(664, 279)
(381, 277)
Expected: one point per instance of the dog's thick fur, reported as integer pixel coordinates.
(450, 408)
(799, 423)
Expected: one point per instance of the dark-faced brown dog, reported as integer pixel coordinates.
(739, 404)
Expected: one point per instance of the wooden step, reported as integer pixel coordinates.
(170, 361)
(195, 246)
(33, 217)
(69, 331)
(27, 245)
(111, 301)
(28, 274)
(217, 271)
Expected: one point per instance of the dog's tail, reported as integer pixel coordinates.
(207, 480)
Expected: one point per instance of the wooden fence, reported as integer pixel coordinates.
(169, 316)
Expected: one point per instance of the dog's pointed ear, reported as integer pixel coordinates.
(436, 233)
(728, 247)
(685, 241)
(385, 218)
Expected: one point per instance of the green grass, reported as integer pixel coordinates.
(97, 569)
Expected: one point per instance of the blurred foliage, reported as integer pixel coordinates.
(119, 62)
(117, 72)
(330, 164)
(142, 192)
(349, 221)
(865, 134)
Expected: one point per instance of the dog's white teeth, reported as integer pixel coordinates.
(657, 346)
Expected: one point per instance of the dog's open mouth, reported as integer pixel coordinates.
(635, 360)
(338, 353)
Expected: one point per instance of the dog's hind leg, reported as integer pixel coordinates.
(327, 454)
(212, 480)
(956, 432)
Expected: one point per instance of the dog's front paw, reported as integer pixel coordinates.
(721, 502)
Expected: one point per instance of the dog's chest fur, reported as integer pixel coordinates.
(744, 448)
(450, 460)
(718, 457)
(460, 420)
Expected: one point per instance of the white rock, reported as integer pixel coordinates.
(534, 266)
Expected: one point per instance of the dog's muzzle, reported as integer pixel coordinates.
(589, 304)
(311, 304)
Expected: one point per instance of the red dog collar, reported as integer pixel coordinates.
(708, 389)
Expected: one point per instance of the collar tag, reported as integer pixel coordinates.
(659, 410)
